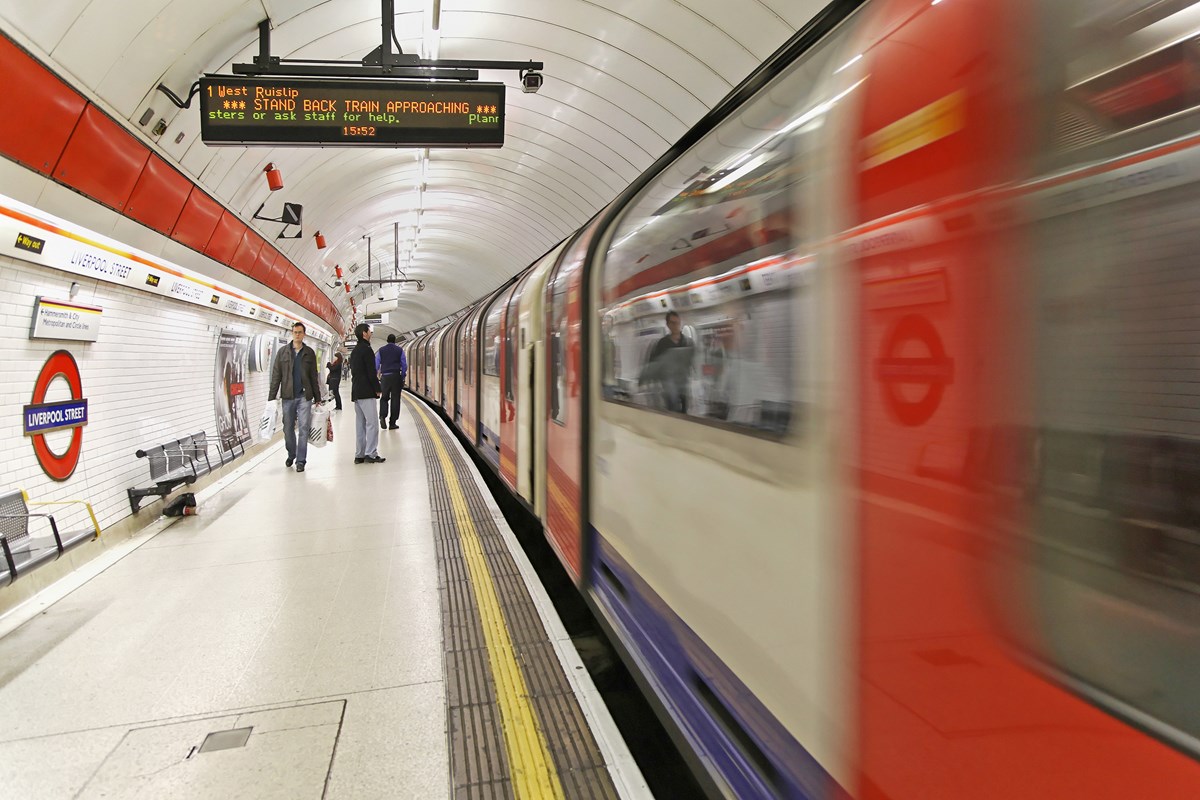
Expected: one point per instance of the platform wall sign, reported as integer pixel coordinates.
(31, 234)
(350, 113)
(65, 319)
(41, 417)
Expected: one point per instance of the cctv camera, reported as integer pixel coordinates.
(380, 295)
(531, 81)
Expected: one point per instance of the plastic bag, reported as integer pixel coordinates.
(269, 424)
(318, 425)
(328, 428)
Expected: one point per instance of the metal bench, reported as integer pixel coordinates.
(179, 462)
(22, 551)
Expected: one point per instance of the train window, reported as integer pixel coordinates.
(703, 283)
(491, 339)
(1115, 443)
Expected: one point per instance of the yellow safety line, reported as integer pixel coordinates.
(532, 770)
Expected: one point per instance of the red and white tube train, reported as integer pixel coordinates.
(868, 419)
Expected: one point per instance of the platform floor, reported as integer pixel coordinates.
(355, 631)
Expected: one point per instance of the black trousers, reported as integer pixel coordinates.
(391, 392)
(335, 390)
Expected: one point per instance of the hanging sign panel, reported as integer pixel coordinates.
(373, 113)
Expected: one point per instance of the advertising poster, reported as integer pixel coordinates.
(229, 390)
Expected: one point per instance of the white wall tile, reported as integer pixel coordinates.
(149, 378)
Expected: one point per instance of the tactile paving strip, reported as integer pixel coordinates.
(479, 765)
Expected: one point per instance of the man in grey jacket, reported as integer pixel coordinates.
(294, 371)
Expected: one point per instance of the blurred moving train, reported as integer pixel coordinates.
(868, 419)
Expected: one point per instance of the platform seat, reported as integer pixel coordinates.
(177, 462)
(24, 551)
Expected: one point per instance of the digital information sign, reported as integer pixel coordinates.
(363, 113)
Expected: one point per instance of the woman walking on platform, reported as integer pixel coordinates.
(335, 379)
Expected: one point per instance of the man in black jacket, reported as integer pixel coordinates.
(364, 391)
(294, 371)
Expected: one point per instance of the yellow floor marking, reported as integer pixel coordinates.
(529, 762)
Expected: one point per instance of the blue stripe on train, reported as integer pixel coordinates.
(725, 723)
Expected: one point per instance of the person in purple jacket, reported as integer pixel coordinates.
(392, 369)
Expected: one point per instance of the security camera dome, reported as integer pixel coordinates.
(531, 81)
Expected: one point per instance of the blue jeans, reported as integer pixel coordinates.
(297, 411)
(366, 429)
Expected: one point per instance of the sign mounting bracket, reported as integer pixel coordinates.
(381, 62)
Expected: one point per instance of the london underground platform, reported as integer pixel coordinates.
(353, 631)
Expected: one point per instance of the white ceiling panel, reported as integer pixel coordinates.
(624, 79)
(43, 23)
(796, 13)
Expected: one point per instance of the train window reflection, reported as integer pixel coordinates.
(557, 342)
(491, 340)
(701, 302)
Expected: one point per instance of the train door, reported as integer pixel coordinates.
(414, 364)
(509, 386)
(489, 379)
(422, 377)
(431, 367)
(922, 258)
(430, 364)
(531, 391)
(460, 380)
(434, 361)
(450, 368)
(564, 412)
(447, 369)
(470, 411)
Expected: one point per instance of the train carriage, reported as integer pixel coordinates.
(865, 419)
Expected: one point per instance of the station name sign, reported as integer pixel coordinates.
(370, 113)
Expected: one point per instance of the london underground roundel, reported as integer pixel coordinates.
(913, 354)
(43, 417)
